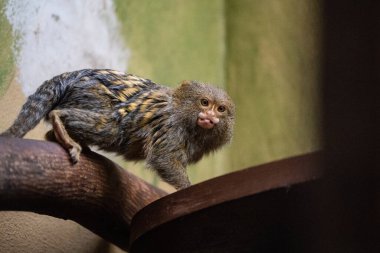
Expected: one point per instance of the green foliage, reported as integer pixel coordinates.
(6, 54)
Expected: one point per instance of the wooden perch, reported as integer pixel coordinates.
(38, 176)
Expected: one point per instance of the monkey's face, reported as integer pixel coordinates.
(210, 112)
(207, 107)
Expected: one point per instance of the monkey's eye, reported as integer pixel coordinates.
(221, 108)
(204, 102)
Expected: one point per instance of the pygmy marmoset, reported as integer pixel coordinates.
(133, 117)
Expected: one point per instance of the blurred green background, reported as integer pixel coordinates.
(264, 52)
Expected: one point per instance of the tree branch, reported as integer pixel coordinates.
(38, 176)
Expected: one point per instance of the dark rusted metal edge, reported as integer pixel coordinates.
(225, 188)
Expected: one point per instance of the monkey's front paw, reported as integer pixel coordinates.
(75, 153)
(182, 185)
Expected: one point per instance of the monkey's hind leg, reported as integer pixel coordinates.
(50, 136)
(63, 137)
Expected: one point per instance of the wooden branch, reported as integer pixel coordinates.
(38, 176)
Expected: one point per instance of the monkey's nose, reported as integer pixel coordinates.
(210, 113)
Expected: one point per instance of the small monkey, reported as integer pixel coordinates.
(132, 116)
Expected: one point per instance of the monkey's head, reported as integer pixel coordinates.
(205, 108)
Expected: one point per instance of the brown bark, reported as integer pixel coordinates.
(38, 176)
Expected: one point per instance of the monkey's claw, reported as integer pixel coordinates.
(75, 153)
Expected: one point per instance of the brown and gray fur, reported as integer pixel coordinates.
(133, 117)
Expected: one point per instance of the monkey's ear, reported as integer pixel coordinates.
(186, 84)
(184, 89)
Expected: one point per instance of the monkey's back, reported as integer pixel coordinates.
(99, 90)
(112, 110)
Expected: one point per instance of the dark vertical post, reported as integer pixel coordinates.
(349, 197)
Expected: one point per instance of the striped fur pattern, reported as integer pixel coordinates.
(131, 116)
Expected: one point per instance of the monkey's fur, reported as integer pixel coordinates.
(133, 117)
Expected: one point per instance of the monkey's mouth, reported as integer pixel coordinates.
(207, 121)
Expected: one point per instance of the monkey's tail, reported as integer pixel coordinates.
(39, 104)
